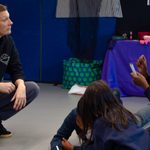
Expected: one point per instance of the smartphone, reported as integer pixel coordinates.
(132, 68)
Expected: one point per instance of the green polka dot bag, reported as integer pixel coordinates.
(80, 72)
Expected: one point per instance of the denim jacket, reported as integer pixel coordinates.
(68, 126)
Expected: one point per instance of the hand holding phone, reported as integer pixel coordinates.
(132, 68)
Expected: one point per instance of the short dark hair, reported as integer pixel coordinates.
(3, 8)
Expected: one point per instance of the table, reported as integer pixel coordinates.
(116, 70)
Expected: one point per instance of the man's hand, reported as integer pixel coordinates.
(66, 144)
(19, 97)
(142, 65)
(7, 87)
(139, 80)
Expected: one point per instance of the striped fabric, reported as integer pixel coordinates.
(63, 8)
(78, 8)
(110, 8)
(88, 8)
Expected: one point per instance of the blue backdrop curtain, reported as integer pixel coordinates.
(42, 39)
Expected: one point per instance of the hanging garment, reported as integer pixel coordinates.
(78, 8)
(82, 28)
(88, 8)
(82, 37)
(110, 8)
(62, 9)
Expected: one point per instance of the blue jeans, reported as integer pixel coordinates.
(143, 117)
(6, 106)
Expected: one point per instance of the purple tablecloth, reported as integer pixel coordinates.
(116, 70)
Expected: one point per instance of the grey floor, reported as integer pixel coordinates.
(34, 127)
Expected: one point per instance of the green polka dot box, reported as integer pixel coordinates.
(80, 72)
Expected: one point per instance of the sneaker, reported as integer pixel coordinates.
(4, 133)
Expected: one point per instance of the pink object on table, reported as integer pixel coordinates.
(146, 41)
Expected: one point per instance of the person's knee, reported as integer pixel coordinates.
(32, 90)
(35, 88)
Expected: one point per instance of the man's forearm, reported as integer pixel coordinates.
(18, 82)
